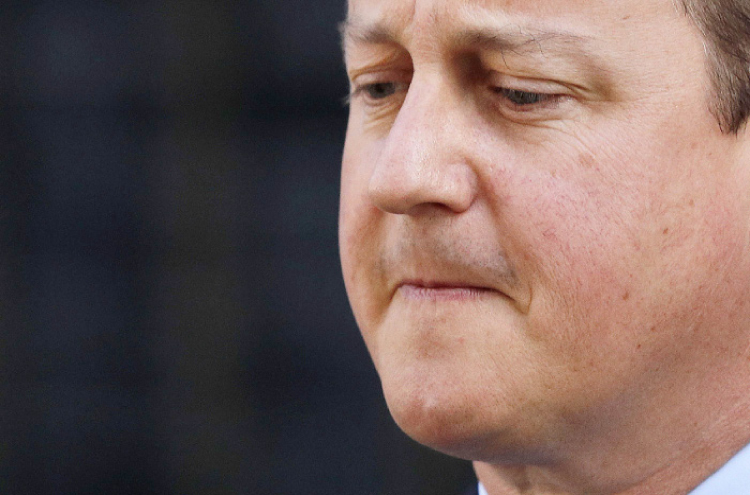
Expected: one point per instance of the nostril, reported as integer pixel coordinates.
(417, 187)
(430, 209)
(392, 193)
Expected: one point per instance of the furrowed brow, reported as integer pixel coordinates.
(504, 39)
(499, 40)
(522, 41)
(354, 31)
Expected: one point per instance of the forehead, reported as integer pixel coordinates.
(403, 20)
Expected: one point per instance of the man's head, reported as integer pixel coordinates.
(545, 234)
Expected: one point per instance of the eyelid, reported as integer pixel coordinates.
(555, 96)
(380, 76)
(529, 85)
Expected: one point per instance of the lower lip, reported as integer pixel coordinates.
(422, 293)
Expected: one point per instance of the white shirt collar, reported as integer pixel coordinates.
(732, 479)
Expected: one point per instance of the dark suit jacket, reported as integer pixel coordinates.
(473, 490)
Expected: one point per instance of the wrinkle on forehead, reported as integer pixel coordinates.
(463, 22)
(395, 15)
(401, 17)
(463, 25)
(405, 16)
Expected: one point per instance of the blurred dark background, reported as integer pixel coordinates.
(172, 316)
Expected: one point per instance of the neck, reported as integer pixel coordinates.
(664, 455)
(677, 478)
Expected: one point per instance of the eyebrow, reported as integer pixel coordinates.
(519, 41)
(490, 38)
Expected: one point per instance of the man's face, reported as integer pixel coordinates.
(543, 230)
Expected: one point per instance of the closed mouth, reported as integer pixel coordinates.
(439, 291)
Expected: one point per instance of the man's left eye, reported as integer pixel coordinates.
(523, 98)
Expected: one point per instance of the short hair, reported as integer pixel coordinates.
(725, 25)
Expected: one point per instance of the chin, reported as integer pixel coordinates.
(437, 414)
(441, 428)
(450, 412)
(460, 432)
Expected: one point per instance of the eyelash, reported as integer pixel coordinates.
(519, 100)
(369, 91)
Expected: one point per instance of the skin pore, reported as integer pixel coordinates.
(544, 237)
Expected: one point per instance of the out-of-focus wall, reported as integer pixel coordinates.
(172, 316)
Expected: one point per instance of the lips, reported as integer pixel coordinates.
(417, 290)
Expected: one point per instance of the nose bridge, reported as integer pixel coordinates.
(422, 160)
(421, 130)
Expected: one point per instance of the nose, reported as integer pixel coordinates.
(424, 163)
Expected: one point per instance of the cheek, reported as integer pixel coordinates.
(621, 243)
(359, 226)
(575, 234)
(588, 228)
(356, 212)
